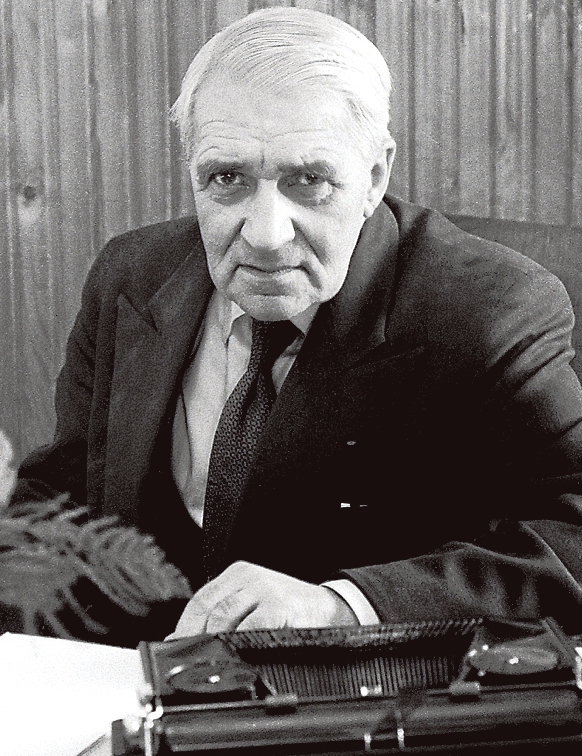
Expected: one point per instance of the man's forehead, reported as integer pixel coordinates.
(226, 108)
(272, 135)
(223, 138)
(321, 150)
(246, 126)
(263, 129)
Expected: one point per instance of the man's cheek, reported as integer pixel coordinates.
(221, 271)
(218, 230)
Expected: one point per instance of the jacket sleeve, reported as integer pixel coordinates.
(528, 562)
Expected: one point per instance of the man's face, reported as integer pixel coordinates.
(281, 193)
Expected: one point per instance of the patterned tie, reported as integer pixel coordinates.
(239, 429)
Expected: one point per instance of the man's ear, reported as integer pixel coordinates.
(380, 175)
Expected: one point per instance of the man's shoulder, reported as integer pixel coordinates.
(454, 287)
(447, 258)
(141, 259)
(175, 238)
(425, 232)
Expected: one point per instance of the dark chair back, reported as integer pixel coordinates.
(557, 248)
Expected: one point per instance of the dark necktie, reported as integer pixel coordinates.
(239, 429)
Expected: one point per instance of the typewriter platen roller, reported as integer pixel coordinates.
(432, 686)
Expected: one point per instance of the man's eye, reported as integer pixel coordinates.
(309, 187)
(227, 179)
(308, 179)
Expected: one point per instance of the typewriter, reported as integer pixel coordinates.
(475, 685)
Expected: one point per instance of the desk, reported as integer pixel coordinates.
(59, 697)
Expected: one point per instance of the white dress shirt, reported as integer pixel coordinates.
(220, 359)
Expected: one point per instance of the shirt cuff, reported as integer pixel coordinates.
(358, 603)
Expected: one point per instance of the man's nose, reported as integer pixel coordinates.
(268, 224)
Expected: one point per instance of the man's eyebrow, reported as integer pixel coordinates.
(209, 166)
(319, 167)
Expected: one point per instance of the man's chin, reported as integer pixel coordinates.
(270, 307)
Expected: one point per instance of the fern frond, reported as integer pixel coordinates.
(47, 550)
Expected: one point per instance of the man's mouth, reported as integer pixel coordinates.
(268, 270)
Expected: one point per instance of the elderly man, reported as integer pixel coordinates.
(328, 406)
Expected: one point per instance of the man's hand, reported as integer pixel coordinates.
(246, 596)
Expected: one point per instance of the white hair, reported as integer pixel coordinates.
(276, 48)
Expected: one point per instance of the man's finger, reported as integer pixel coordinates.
(203, 616)
(261, 618)
(231, 611)
(234, 578)
(193, 619)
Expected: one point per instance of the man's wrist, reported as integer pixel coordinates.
(343, 614)
(355, 599)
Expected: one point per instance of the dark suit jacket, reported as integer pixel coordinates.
(432, 395)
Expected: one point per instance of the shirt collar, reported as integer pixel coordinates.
(227, 312)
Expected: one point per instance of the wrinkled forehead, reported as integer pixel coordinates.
(223, 92)
(231, 106)
(239, 126)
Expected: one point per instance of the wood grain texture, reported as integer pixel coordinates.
(552, 113)
(435, 60)
(513, 111)
(10, 404)
(395, 24)
(477, 107)
(486, 114)
(575, 88)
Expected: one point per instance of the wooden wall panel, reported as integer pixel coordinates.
(395, 24)
(553, 115)
(10, 406)
(486, 114)
(34, 216)
(435, 63)
(476, 107)
(512, 110)
(227, 12)
(113, 117)
(575, 87)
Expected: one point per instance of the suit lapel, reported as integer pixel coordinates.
(151, 348)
